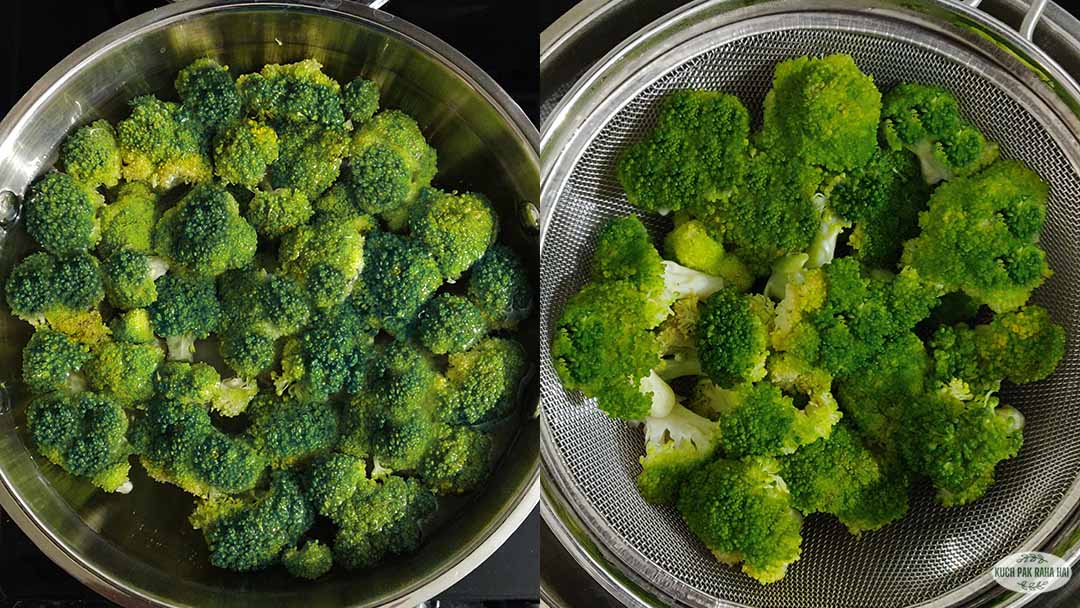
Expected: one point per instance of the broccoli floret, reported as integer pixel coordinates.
(956, 439)
(823, 111)
(399, 276)
(456, 228)
(742, 511)
(752, 419)
(449, 324)
(200, 384)
(389, 163)
(675, 445)
(316, 363)
(227, 464)
(691, 245)
(385, 521)
(292, 431)
(732, 342)
(297, 92)
(309, 157)
(499, 286)
(811, 387)
(204, 233)
(243, 152)
(457, 461)
(883, 199)
(251, 533)
(926, 120)
(484, 381)
(696, 155)
(360, 100)
(128, 222)
(332, 480)
(336, 203)
(326, 257)
(124, 371)
(209, 93)
(128, 278)
(61, 214)
(186, 310)
(310, 562)
(44, 288)
(163, 145)
(276, 212)
(84, 434)
(257, 309)
(677, 337)
(980, 236)
(133, 327)
(52, 361)
(90, 155)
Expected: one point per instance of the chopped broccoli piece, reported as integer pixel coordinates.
(128, 222)
(385, 521)
(310, 562)
(124, 371)
(61, 214)
(309, 157)
(691, 245)
(276, 212)
(186, 310)
(162, 144)
(399, 276)
(456, 462)
(389, 163)
(296, 92)
(52, 361)
(484, 381)
(360, 100)
(675, 445)
(317, 363)
(204, 233)
(91, 156)
(449, 324)
(732, 342)
(209, 93)
(499, 286)
(326, 257)
(133, 327)
(243, 152)
(200, 384)
(292, 431)
(456, 228)
(128, 278)
(44, 288)
(84, 434)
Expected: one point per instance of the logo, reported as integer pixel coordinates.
(1032, 572)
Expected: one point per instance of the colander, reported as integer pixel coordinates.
(138, 550)
(1011, 90)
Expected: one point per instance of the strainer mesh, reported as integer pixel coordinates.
(933, 550)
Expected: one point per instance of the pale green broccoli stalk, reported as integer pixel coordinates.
(926, 120)
(483, 382)
(163, 145)
(389, 163)
(186, 310)
(310, 562)
(61, 214)
(84, 434)
(276, 212)
(786, 269)
(694, 157)
(691, 245)
(457, 461)
(204, 233)
(243, 152)
(133, 327)
(128, 222)
(456, 228)
(742, 511)
(90, 155)
(824, 111)
(45, 288)
(823, 248)
(129, 278)
(675, 445)
(51, 362)
(124, 371)
(209, 93)
(499, 286)
(398, 277)
(326, 257)
(309, 157)
(980, 236)
(360, 100)
(295, 92)
(449, 324)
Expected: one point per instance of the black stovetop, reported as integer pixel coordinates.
(37, 34)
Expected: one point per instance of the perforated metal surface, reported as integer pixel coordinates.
(933, 551)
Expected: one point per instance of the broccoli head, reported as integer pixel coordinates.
(753, 419)
(360, 100)
(389, 163)
(675, 445)
(243, 152)
(128, 278)
(186, 309)
(387, 520)
(209, 93)
(456, 228)
(399, 276)
(200, 384)
(128, 222)
(133, 327)
(484, 381)
(732, 342)
(457, 461)
(292, 431)
(84, 434)
(295, 92)
(43, 287)
(449, 324)
(61, 214)
(309, 157)
(317, 363)
(333, 479)
(204, 233)
(691, 245)
(162, 144)
(52, 361)
(275, 212)
(310, 562)
(499, 286)
(124, 371)
(91, 156)
(326, 257)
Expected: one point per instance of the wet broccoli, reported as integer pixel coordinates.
(61, 214)
(292, 431)
(499, 286)
(129, 278)
(84, 434)
(449, 324)
(456, 228)
(360, 100)
(91, 156)
(204, 233)
(243, 152)
(45, 288)
(296, 92)
(124, 371)
(457, 461)
(162, 144)
(389, 163)
(209, 93)
(128, 221)
(186, 309)
(52, 361)
(326, 257)
(309, 157)
(132, 326)
(275, 212)
(399, 276)
(310, 562)
(317, 363)
(484, 381)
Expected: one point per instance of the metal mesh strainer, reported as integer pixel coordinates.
(934, 556)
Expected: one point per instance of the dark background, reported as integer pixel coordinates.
(37, 34)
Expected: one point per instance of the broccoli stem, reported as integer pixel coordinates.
(663, 398)
(680, 365)
(823, 247)
(932, 169)
(1016, 419)
(784, 271)
(681, 282)
(158, 267)
(181, 348)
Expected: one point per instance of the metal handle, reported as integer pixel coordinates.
(1031, 17)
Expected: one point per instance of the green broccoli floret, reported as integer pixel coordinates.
(133, 327)
(675, 445)
(456, 228)
(162, 144)
(310, 562)
(980, 236)
(926, 120)
(204, 233)
(956, 439)
(695, 157)
(200, 384)
(752, 419)
(84, 434)
(227, 464)
(294, 92)
(61, 214)
(691, 245)
(399, 276)
(209, 93)
(309, 157)
(275, 212)
(824, 111)
(44, 288)
(742, 511)
(336, 203)
(257, 309)
(840, 476)
(389, 163)
(124, 371)
(186, 310)
(326, 257)
(883, 199)
(333, 479)
(449, 324)
(243, 152)
(51, 361)
(128, 222)
(292, 431)
(732, 342)
(251, 533)
(385, 521)
(360, 100)
(128, 278)
(317, 363)
(499, 286)
(457, 461)
(484, 382)
(90, 155)
(677, 337)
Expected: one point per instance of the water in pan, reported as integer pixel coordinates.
(933, 550)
